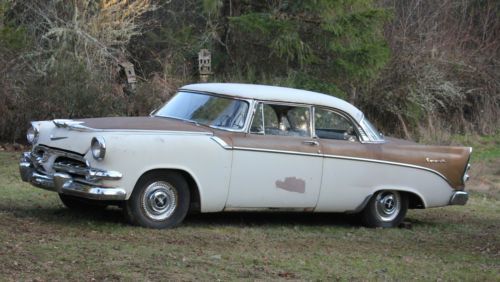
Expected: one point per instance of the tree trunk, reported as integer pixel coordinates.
(352, 94)
(405, 129)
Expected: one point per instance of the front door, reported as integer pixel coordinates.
(278, 164)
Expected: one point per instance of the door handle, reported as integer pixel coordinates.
(311, 142)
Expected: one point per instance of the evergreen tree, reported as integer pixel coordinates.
(339, 43)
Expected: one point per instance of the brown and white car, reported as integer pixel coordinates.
(236, 147)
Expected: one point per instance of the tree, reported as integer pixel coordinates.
(337, 42)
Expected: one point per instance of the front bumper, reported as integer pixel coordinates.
(459, 198)
(65, 183)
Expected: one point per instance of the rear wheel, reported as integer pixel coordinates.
(80, 204)
(386, 208)
(159, 200)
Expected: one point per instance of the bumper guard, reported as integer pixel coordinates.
(459, 198)
(64, 183)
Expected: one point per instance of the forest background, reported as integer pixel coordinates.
(421, 69)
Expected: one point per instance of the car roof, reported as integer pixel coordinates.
(276, 93)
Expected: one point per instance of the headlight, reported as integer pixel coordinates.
(32, 135)
(98, 148)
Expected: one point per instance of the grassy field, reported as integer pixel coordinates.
(40, 240)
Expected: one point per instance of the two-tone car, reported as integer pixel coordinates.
(218, 147)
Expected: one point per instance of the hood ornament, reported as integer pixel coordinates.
(70, 124)
(64, 123)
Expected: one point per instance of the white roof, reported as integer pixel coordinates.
(276, 93)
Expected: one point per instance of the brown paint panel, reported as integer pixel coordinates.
(143, 123)
(292, 184)
(271, 142)
(408, 153)
(394, 150)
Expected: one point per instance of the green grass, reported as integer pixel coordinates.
(484, 147)
(41, 240)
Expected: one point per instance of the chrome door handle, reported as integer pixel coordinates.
(311, 142)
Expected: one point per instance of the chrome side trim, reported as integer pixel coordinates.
(82, 128)
(77, 126)
(277, 151)
(221, 142)
(465, 176)
(343, 157)
(389, 163)
(271, 209)
(54, 138)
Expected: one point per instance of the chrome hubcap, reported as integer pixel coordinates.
(159, 200)
(387, 205)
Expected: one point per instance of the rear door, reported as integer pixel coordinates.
(347, 176)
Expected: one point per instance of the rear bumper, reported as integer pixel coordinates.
(64, 183)
(459, 198)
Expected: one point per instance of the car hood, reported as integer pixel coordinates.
(141, 123)
(76, 135)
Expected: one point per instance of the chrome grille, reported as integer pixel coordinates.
(71, 166)
(49, 160)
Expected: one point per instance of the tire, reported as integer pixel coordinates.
(80, 204)
(386, 208)
(159, 200)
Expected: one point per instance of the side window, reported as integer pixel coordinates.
(332, 125)
(281, 120)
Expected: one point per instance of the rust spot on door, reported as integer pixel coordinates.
(292, 184)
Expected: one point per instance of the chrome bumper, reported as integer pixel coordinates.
(64, 183)
(459, 198)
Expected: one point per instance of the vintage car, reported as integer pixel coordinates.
(219, 147)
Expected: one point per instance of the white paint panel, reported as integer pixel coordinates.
(255, 176)
(347, 183)
(134, 154)
(74, 141)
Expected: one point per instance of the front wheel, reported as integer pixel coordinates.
(159, 200)
(386, 208)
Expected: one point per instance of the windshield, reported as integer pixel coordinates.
(371, 131)
(206, 109)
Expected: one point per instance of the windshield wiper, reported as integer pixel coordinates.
(185, 120)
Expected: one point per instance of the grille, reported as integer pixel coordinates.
(71, 166)
(49, 160)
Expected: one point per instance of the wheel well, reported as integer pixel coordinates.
(195, 203)
(414, 201)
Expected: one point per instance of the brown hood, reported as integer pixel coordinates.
(143, 123)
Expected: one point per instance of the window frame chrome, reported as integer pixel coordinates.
(256, 104)
(368, 139)
(253, 103)
(356, 126)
